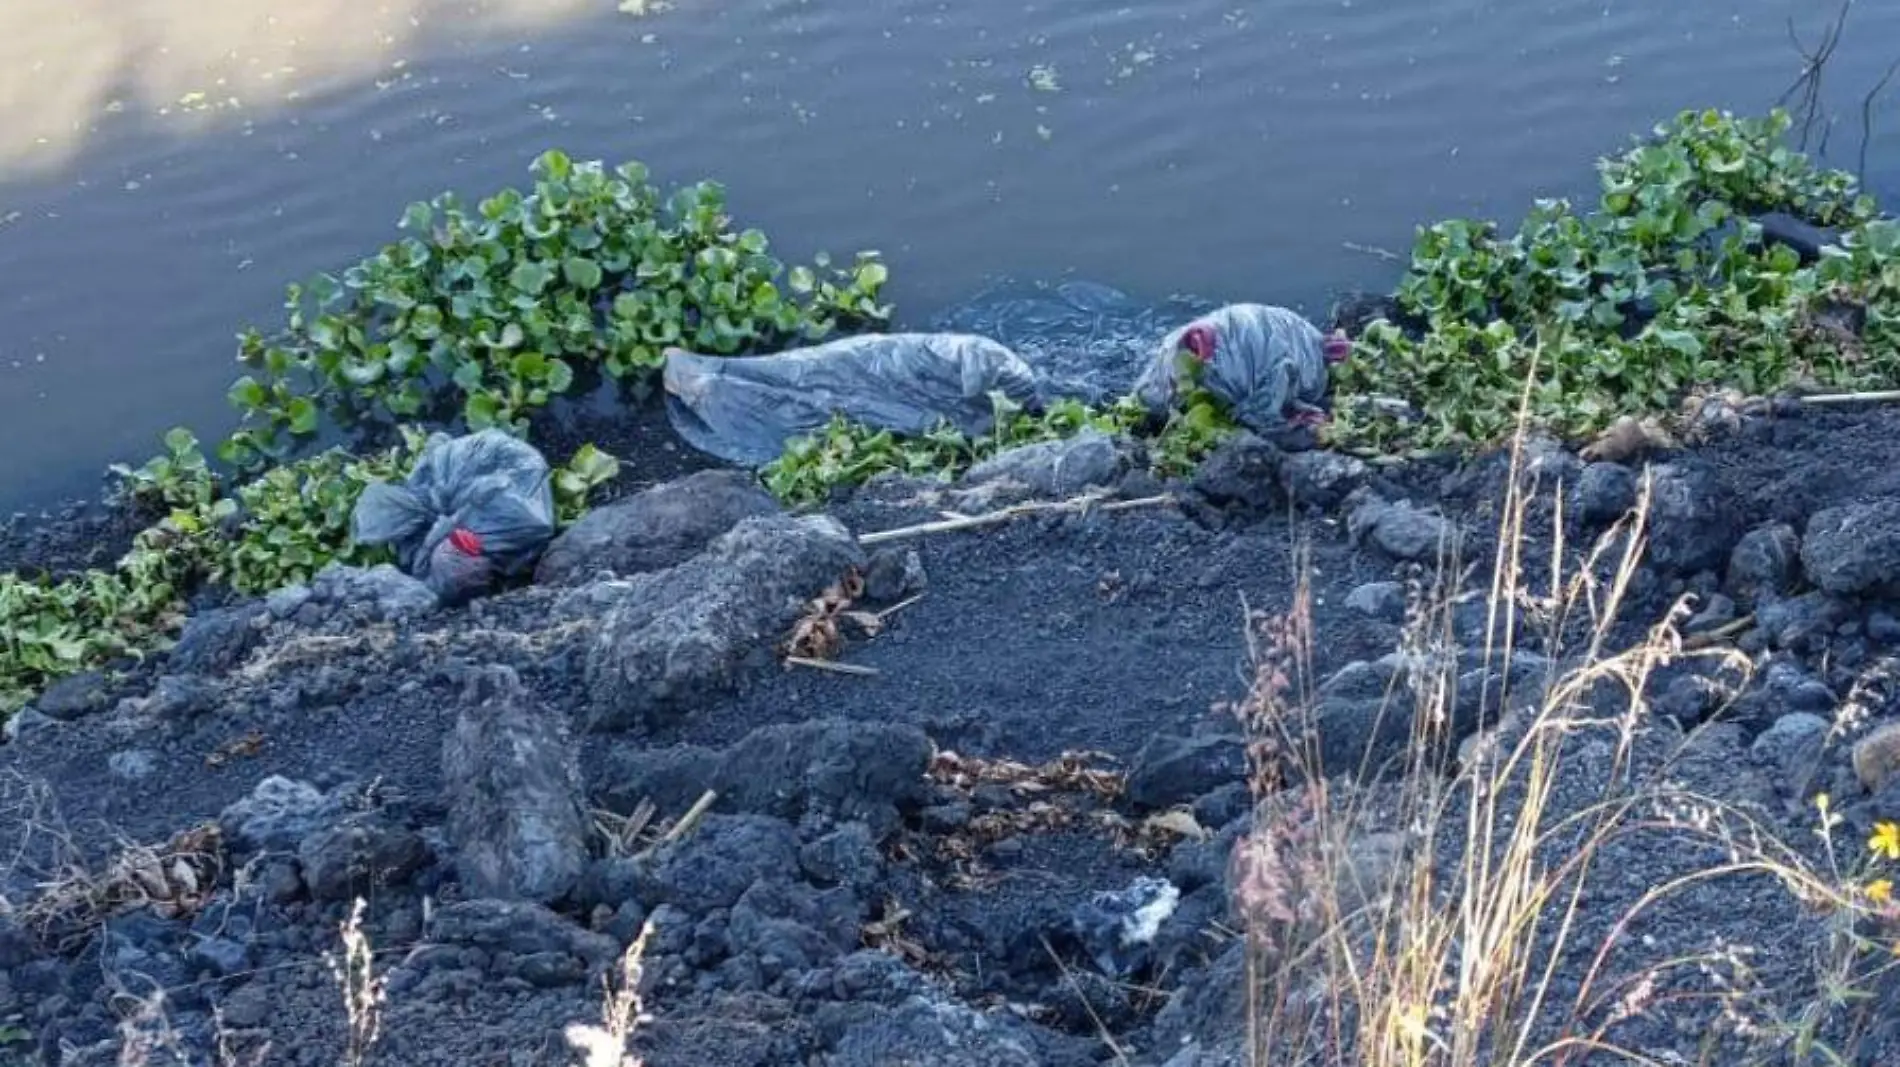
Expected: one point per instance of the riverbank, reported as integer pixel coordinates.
(900, 861)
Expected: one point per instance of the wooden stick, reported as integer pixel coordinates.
(899, 606)
(828, 665)
(1726, 630)
(687, 821)
(1014, 511)
(1887, 397)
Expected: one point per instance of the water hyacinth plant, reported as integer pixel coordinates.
(1670, 284)
(486, 315)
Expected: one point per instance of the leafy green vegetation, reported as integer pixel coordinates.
(488, 315)
(846, 454)
(475, 319)
(1669, 285)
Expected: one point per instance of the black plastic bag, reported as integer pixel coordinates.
(1268, 365)
(474, 509)
(744, 409)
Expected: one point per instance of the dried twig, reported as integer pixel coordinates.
(1884, 397)
(1087, 502)
(687, 821)
(1867, 115)
(833, 667)
(1720, 633)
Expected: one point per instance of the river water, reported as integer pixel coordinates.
(167, 165)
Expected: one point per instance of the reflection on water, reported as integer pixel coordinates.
(66, 64)
(1233, 149)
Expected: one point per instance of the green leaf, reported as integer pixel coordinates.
(302, 414)
(581, 273)
(530, 277)
(482, 411)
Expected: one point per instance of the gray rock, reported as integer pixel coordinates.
(222, 956)
(893, 573)
(520, 928)
(1688, 699)
(1399, 530)
(182, 696)
(1884, 627)
(1854, 548)
(376, 594)
(1605, 492)
(1089, 460)
(1243, 473)
(682, 636)
(359, 855)
(277, 815)
(1765, 562)
(512, 779)
(1720, 611)
(1692, 522)
(1320, 479)
(217, 641)
(1793, 747)
(825, 769)
(73, 697)
(1173, 770)
(1799, 623)
(286, 602)
(27, 723)
(655, 529)
(1375, 733)
(845, 856)
(1384, 601)
(929, 1032)
(132, 764)
(714, 865)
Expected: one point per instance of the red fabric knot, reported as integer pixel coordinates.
(1199, 340)
(1338, 347)
(466, 541)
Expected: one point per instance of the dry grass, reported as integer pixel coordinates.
(1424, 920)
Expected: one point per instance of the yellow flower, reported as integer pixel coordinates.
(1886, 840)
(1821, 801)
(1880, 891)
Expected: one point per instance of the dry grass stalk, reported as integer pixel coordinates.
(363, 989)
(608, 1044)
(1084, 503)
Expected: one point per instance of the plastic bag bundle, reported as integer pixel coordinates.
(745, 409)
(475, 508)
(1264, 363)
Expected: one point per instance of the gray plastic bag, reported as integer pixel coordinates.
(1267, 364)
(474, 509)
(743, 409)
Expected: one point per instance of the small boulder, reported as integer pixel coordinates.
(1400, 530)
(277, 815)
(893, 573)
(1242, 473)
(1089, 460)
(714, 865)
(358, 855)
(74, 697)
(1692, 522)
(216, 642)
(1384, 601)
(1321, 480)
(655, 529)
(1172, 770)
(376, 594)
(1854, 548)
(1604, 493)
(1765, 562)
(681, 636)
(521, 929)
(1877, 757)
(1793, 748)
(1117, 928)
(516, 804)
(1801, 622)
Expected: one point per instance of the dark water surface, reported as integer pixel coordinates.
(167, 165)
